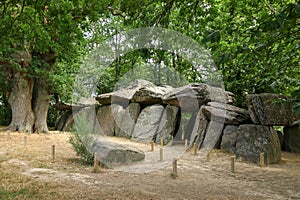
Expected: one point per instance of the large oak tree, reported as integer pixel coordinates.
(35, 36)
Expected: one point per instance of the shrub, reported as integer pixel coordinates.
(82, 138)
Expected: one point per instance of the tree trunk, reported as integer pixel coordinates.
(40, 105)
(20, 102)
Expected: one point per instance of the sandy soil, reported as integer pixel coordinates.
(31, 166)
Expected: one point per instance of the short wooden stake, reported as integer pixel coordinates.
(182, 133)
(262, 159)
(175, 168)
(152, 146)
(161, 141)
(96, 163)
(195, 149)
(232, 161)
(53, 151)
(25, 140)
(161, 154)
(8, 135)
(186, 143)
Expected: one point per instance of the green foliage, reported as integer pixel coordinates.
(255, 44)
(81, 139)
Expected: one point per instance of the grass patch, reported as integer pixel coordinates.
(16, 186)
(14, 194)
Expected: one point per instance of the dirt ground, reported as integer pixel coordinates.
(27, 171)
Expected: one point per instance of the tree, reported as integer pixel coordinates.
(255, 44)
(35, 37)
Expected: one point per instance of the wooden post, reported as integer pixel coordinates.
(152, 145)
(262, 159)
(232, 161)
(175, 168)
(161, 154)
(186, 143)
(25, 140)
(161, 141)
(53, 151)
(96, 163)
(195, 149)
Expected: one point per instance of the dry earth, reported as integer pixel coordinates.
(28, 172)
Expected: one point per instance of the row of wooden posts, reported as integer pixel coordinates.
(25, 143)
(174, 163)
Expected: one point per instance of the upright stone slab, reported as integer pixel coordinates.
(199, 129)
(106, 116)
(126, 120)
(255, 139)
(167, 124)
(84, 117)
(61, 120)
(292, 138)
(270, 109)
(229, 138)
(147, 124)
(213, 135)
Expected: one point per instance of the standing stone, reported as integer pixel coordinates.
(213, 135)
(85, 118)
(255, 139)
(126, 120)
(190, 126)
(147, 124)
(292, 138)
(229, 138)
(106, 116)
(60, 122)
(199, 129)
(167, 124)
(270, 109)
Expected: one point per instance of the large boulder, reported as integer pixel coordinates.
(167, 124)
(229, 138)
(126, 120)
(292, 138)
(227, 114)
(106, 116)
(255, 139)
(123, 96)
(150, 95)
(191, 97)
(111, 153)
(270, 109)
(147, 124)
(213, 135)
(198, 132)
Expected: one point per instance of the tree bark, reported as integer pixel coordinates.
(40, 105)
(20, 102)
